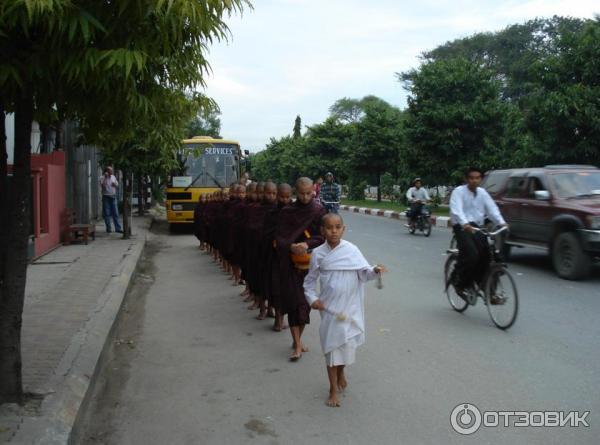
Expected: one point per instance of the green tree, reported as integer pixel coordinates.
(97, 61)
(378, 142)
(297, 128)
(347, 110)
(455, 118)
(563, 113)
(207, 123)
(511, 52)
(330, 142)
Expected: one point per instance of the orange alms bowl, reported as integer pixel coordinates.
(301, 261)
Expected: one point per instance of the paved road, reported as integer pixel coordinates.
(200, 370)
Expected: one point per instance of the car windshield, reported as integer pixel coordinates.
(577, 184)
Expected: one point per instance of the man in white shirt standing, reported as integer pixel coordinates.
(469, 206)
(417, 196)
(109, 185)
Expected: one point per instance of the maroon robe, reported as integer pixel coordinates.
(211, 213)
(254, 229)
(199, 220)
(270, 277)
(221, 224)
(294, 220)
(247, 242)
(231, 213)
(237, 235)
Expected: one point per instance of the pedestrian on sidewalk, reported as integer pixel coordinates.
(343, 271)
(109, 185)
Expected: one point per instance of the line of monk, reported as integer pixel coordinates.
(262, 239)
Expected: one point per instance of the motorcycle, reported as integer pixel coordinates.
(331, 206)
(421, 223)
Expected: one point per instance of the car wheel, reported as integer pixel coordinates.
(568, 257)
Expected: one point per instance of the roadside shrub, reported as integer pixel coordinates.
(356, 190)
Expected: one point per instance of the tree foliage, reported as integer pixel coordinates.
(455, 118)
(206, 123)
(116, 67)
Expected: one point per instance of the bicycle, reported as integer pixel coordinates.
(422, 223)
(497, 290)
(331, 206)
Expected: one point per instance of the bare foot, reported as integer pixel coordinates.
(253, 307)
(295, 356)
(260, 316)
(276, 327)
(304, 347)
(333, 401)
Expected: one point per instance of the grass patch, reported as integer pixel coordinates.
(386, 205)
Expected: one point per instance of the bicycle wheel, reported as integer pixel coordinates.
(502, 297)
(457, 303)
(412, 228)
(426, 226)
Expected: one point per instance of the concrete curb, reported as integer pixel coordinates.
(438, 221)
(75, 375)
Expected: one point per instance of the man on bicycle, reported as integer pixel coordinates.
(469, 206)
(330, 194)
(417, 197)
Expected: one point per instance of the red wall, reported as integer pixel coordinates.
(49, 200)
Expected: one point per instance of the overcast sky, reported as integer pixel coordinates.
(290, 57)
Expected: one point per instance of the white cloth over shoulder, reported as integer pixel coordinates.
(342, 273)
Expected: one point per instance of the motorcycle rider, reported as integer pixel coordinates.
(330, 194)
(417, 196)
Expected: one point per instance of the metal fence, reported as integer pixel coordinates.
(83, 176)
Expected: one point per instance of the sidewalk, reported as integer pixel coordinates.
(73, 295)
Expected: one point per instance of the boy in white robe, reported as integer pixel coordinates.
(342, 271)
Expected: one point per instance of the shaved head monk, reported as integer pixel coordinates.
(232, 247)
(267, 196)
(272, 278)
(241, 237)
(299, 230)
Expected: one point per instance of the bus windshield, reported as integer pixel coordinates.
(211, 165)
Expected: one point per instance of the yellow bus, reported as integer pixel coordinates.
(205, 166)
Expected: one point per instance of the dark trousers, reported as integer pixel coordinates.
(415, 210)
(473, 256)
(110, 210)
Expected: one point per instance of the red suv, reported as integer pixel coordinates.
(555, 208)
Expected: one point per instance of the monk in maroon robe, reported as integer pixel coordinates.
(269, 259)
(255, 223)
(254, 217)
(298, 231)
(240, 237)
(234, 217)
(199, 220)
(209, 212)
(221, 222)
(214, 231)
